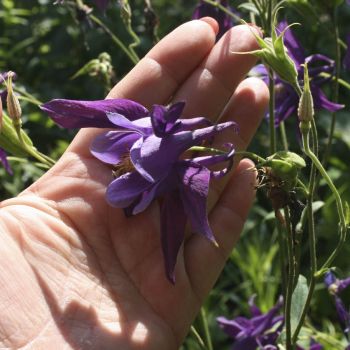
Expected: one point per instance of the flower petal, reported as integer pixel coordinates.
(194, 190)
(321, 101)
(173, 222)
(142, 125)
(4, 161)
(123, 191)
(164, 119)
(112, 146)
(82, 114)
(154, 157)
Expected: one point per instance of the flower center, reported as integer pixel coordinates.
(124, 166)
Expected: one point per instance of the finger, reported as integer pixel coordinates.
(247, 108)
(160, 73)
(203, 260)
(212, 84)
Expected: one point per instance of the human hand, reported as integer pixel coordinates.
(75, 272)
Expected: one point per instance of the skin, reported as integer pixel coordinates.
(76, 273)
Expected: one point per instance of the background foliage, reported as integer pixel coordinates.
(47, 44)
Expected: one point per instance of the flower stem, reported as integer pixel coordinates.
(322, 171)
(198, 338)
(114, 38)
(224, 9)
(312, 238)
(204, 321)
(282, 128)
(273, 146)
(291, 279)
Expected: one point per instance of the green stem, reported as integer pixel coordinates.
(135, 43)
(204, 321)
(322, 171)
(198, 338)
(114, 38)
(224, 9)
(282, 128)
(33, 152)
(25, 160)
(273, 147)
(340, 81)
(27, 96)
(291, 279)
(312, 238)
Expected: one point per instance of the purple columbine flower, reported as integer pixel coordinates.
(144, 150)
(260, 331)
(335, 286)
(287, 100)
(225, 21)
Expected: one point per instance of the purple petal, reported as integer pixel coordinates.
(321, 101)
(295, 50)
(233, 327)
(329, 279)
(246, 344)
(154, 157)
(164, 118)
(215, 159)
(343, 314)
(206, 10)
(123, 191)
(194, 190)
(142, 125)
(343, 284)
(112, 146)
(173, 222)
(82, 114)
(254, 310)
(4, 161)
(328, 67)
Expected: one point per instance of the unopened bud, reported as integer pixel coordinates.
(306, 104)
(125, 11)
(13, 107)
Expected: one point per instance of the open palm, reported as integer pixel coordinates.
(76, 273)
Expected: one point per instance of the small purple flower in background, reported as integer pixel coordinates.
(335, 286)
(287, 99)
(225, 21)
(4, 161)
(144, 150)
(313, 346)
(260, 331)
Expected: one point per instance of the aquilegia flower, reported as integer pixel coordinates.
(335, 286)
(286, 98)
(144, 150)
(260, 331)
(225, 21)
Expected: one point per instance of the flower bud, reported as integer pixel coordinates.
(274, 54)
(13, 106)
(306, 104)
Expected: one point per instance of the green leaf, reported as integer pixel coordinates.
(249, 7)
(298, 301)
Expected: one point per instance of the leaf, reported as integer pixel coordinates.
(249, 7)
(347, 213)
(298, 301)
